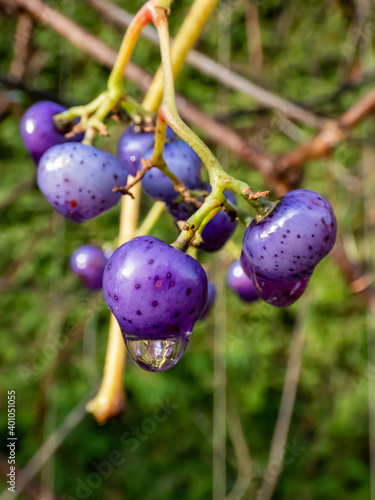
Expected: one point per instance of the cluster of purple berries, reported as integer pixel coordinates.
(155, 291)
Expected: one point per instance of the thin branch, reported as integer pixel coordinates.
(284, 416)
(48, 448)
(99, 51)
(215, 70)
(33, 489)
(21, 49)
(321, 145)
(17, 191)
(241, 450)
(35, 94)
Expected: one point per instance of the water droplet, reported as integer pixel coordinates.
(156, 355)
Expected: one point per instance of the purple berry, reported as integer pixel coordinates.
(183, 162)
(241, 283)
(278, 294)
(211, 295)
(217, 231)
(288, 243)
(38, 129)
(77, 180)
(132, 145)
(88, 262)
(156, 293)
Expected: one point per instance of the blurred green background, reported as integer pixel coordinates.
(53, 332)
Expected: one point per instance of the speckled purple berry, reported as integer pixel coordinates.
(78, 179)
(288, 243)
(240, 283)
(38, 130)
(182, 160)
(156, 293)
(88, 262)
(132, 145)
(211, 295)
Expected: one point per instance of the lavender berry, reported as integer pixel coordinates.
(88, 263)
(156, 293)
(211, 296)
(78, 179)
(132, 145)
(240, 283)
(182, 160)
(38, 129)
(288, 243)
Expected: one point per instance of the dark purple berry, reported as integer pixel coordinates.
(134, 143)
(241, 283)
(38, 129)
(280, 294)
(210, 300)
(88, 262)
(182, 160)
(288, 243)
(275, 293)
(161, 292)
(78, 179)
(217, 231)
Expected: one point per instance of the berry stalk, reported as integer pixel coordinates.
(219, 179)
(110, 399)
(93, 114)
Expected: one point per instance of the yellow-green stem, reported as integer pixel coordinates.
(182, 44)
(111, 393)
(151, 218)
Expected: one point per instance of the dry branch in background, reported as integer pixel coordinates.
(33, 489)
(21, 47)
(334, 132)
(282, 173)
(280, 435)
(215, 70)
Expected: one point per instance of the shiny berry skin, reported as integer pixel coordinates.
(183, 162)
(38, 130)
(240, 283)
(88, 262)
(211, 295)
(156, 293)
(78, 179)
(275, 293)
(288, 243)
(217, 231)
(132, 145)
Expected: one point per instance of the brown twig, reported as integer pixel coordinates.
(100, 52)
(255, 195)
(21, 48)
(146, 166)
(323, 144)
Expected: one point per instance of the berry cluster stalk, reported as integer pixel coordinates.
(110, 399)
(219, 179)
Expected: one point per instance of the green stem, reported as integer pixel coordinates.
(219, 179)
(151, 219)
(93, 114)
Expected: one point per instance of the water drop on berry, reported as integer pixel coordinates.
(156, 355)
